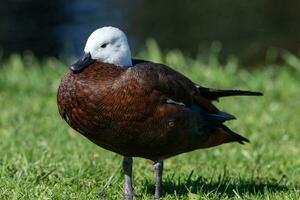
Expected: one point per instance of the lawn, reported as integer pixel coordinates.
(42, 158)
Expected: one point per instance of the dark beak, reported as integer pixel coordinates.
(82, 63)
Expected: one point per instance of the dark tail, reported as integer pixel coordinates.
(235, 137)
(222, 135)
(215, 94)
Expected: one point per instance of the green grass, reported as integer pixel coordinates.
(42, 158)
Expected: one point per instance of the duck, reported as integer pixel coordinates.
(139, 108)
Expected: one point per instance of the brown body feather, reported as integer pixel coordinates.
(125, 110)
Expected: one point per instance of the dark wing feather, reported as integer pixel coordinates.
(176, 86)
(183, 89)
(215, 94)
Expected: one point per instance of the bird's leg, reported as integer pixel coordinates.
(158, 169)
(127, 168)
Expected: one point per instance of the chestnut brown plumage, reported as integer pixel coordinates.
(126, 110)
(138, 108)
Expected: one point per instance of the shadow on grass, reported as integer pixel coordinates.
(225, 187)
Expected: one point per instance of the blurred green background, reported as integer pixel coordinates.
(250, 45)
(245, 29)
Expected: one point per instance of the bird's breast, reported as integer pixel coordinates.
(93, 105)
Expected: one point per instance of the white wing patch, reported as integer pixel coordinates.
(80, 131)
(67, 118)
(171, 101)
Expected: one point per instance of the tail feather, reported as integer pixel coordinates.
(220, 117)
(236, 137)
(215, 94)
(222, 135)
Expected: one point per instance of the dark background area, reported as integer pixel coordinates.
(244, 28)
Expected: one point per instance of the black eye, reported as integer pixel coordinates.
(104, 45)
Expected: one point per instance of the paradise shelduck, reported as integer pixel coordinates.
(139, 108)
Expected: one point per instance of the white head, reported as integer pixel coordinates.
(109, 45)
